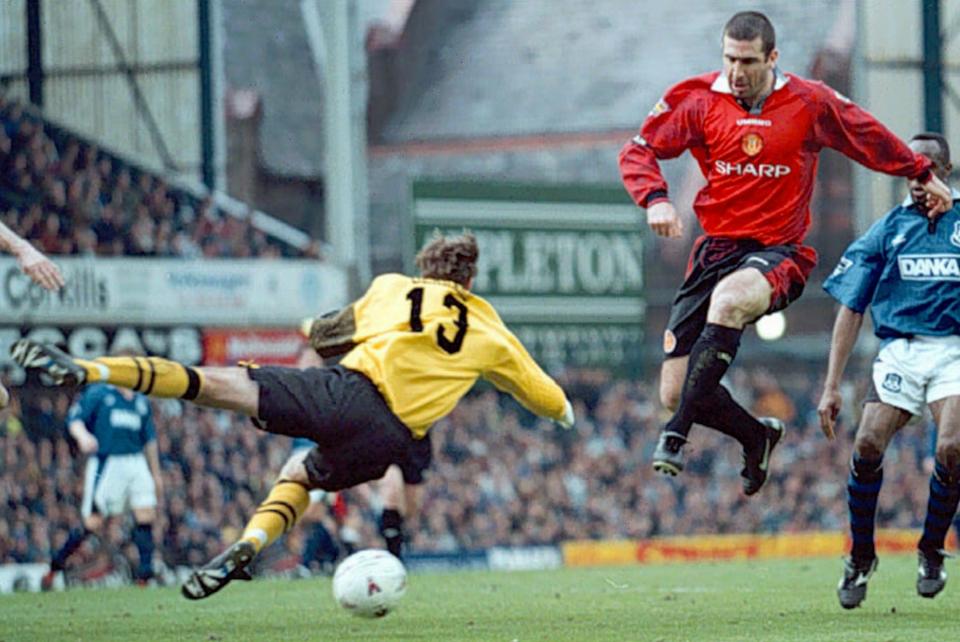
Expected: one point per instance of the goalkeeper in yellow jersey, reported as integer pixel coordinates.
(412, 346)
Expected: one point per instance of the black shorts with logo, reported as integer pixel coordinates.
(356, 434)
(786, 267)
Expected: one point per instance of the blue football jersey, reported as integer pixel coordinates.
(909, 276)
(122, 426)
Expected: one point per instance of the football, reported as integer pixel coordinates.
(370, 583)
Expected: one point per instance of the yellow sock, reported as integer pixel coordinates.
(150, 375)
(277, 514)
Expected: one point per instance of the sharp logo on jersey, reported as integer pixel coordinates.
(892, 382)
(929, 267)
(751, 144)
(844, 265)
(761, 170)
(660, 108)
(955, 237)
(757, 122)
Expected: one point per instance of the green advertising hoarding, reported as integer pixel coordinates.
(562, 265)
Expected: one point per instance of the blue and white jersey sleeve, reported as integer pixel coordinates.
(84, 407)
(854, 280)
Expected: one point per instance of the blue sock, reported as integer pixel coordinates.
(941, 507)
(863, 488)
(143, 538)
(74, 540)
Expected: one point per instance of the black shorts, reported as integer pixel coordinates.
(786, 267)
(356, 434)
(418, 461)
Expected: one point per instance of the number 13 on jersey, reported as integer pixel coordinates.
(450, 346)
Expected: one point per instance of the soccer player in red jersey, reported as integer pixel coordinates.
(756, 133)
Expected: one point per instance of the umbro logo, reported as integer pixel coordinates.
(899, 239)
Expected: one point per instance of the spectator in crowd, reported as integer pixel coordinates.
(53, 188)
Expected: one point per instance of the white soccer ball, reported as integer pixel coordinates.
(370, 583)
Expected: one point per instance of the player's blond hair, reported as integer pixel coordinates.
(450, 258)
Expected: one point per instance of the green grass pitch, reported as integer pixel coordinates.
(764, 601)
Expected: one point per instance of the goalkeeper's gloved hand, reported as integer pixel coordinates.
(566, 422)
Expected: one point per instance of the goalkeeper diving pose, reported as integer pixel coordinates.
(413, 346)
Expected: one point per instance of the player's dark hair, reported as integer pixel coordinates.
(450, 258)
(749, 25)
(941, 142)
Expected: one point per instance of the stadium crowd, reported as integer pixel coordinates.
(499, 477)
(68, 196)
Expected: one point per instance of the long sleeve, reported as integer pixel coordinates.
(854, 132)
(674, 125)
(517, 374)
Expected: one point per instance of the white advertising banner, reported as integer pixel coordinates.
(219, 292)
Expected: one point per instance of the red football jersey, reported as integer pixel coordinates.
(760, 165)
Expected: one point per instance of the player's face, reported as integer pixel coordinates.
(748, 70)
(931, 150)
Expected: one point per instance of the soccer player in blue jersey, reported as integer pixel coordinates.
(906, 268)
(115, 426)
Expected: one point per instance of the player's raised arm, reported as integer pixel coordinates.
(516, 373)
(673, 126)
(34, 264)
(851, 130)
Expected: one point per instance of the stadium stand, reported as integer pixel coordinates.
(70, 197)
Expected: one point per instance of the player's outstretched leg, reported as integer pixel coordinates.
(278, 513)
(941, 508)
(153, 376)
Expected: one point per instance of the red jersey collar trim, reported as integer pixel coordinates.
(722, 86)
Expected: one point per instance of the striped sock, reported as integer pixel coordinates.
(150, 375)
(941, 507)
(863, 488)
(277, 514)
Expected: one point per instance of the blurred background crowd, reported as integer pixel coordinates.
(69, 197)
(500, 477)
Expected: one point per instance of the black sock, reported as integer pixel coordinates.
(143, 538)
(391, 527)
(863, 488)
(710, 357)
(74, 540)
(941, 507)
(719, 411)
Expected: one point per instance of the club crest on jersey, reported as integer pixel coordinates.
(751, 144)
(955, 237)
(892, 382)
(660, 108)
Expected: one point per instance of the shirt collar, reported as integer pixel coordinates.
(722, 86)
(908, 201)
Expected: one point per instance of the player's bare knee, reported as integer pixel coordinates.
(948, 451)
(868, 445)
(144, 515)
(229, 388)
(295, 469)
(669, 396)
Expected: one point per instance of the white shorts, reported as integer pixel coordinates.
(121, 482)
(910, 373)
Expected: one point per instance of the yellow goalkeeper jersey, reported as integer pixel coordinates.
(425, 342)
